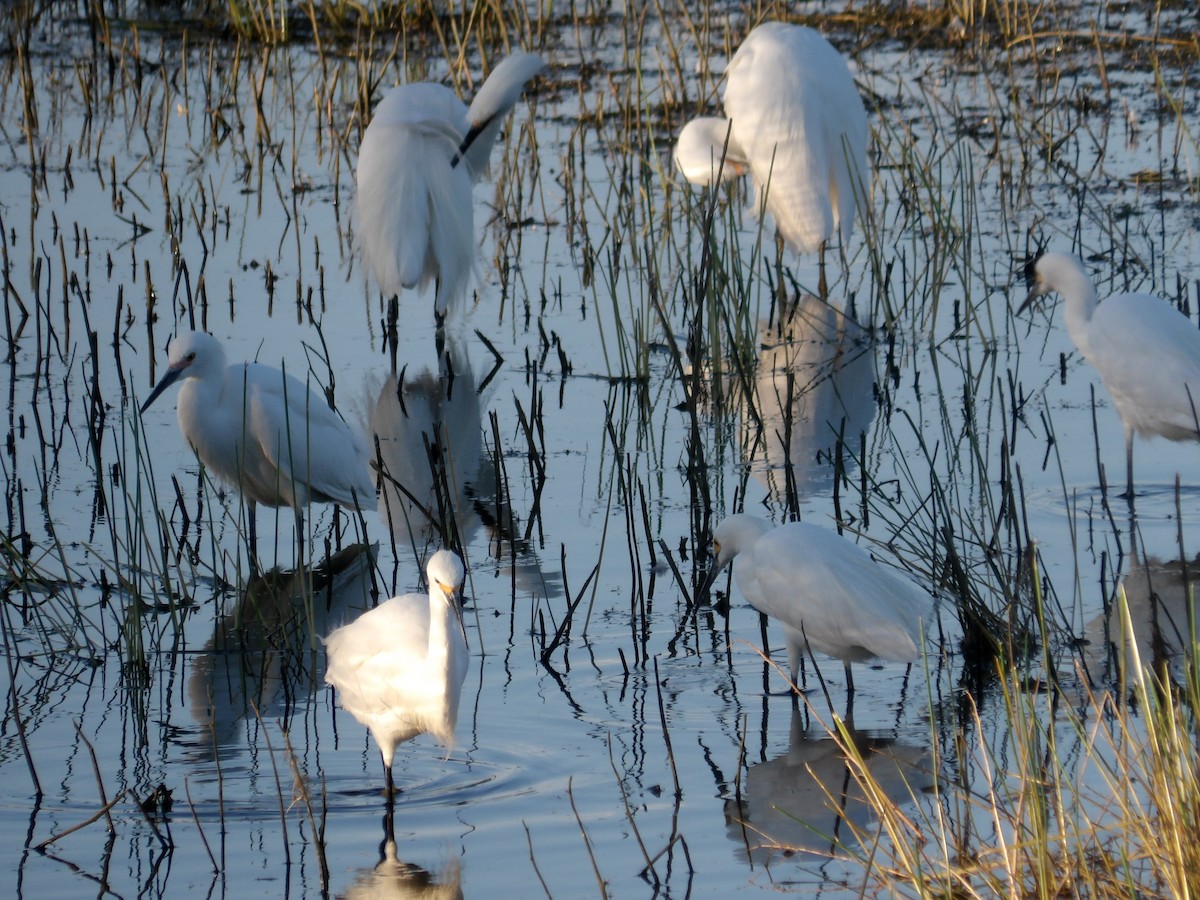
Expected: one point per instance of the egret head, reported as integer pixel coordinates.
(446, 573)
(192, 353)
(733, 535)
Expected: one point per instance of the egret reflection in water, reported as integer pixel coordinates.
(808, 799)
(265, 653)
(813, 388)
(437, 483)
(1161, 614)
(428, 426)
(394, 879)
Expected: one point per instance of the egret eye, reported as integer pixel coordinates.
(717, 547)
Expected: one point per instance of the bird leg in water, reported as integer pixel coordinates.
(392, 330)
(822, 285)
(251, 514)
(389, 789)
(1129, 465)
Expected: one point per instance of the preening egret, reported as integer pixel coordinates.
(399, 668)
(826, 592)
(1147, 353)
(420, 155)
(795, 120)
(262, 431)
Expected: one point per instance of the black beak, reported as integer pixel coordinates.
(1031, 282)
(704, 592)
(166, 381)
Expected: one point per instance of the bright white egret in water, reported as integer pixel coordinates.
(1147, 353)
(421, 153)
(262, 431)
(399, 668)
(826, 592)
(795, 120)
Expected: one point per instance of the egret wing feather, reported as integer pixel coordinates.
(1148, 356)
(815, 580)
(796, 111)
(307, 451)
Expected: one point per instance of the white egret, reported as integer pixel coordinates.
(420, 155)
(826, 592)
(399, 668)
(262, 431)
(795, 120)
(1147, 353)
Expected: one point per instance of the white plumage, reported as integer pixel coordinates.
(264, 432)
(1147, 352)
(420, 156)
(795, 120)
(399, 668)
(826, 591)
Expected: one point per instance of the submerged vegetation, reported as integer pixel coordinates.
(642, 360)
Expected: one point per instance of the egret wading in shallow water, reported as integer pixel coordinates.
(420, 156)
(795, 121)
(1147, 353)
(399, 668)
(826, 592)
(263, 432)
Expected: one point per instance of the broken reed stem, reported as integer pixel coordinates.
(105, 810)
(662, 718)
(587, 842)
(287, 850)
(305, 796)
(637, 834)
(187, 792)
(533, 861)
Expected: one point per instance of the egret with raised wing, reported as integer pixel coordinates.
(420, 156)
(264, 432)
(1147, 353)
(399, 668)
(826, 592)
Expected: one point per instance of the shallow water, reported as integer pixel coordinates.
(175, 203)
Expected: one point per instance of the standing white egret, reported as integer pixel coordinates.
(795, 120)
(262, 431)
(420, 155)
(399, 668)
(1147, 353)
(826, 592)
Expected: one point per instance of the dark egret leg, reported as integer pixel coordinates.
(1129, 464)
(849, 694)
(389, 788)
(301, 539)
(796, 666)
(822, 285)
(393, 333)
(251, 514)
